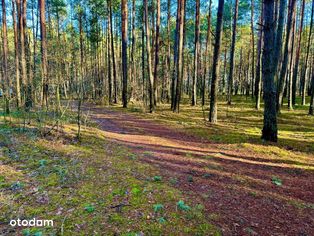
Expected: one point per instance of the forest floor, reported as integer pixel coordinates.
(251, 188)
(164, 173)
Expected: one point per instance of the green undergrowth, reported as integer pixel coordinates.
(95, 187)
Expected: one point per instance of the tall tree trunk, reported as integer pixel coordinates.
(156, 52)
(168, 51)
(279, 33)
(258, 80)
(152, 12)
(214, 85)
(82, 74)
(133, 66)
(270, 130)
(196, 51)
(234, 34)
(207, 51)
(311, 110)
(124, 10)
(175, 57)
(25, 50)
(21, 32)
(149, 61)
(179, 65)
(113, 55)
(16, 46)
(109, 63)
(289, 77)
(35, 34)
(297, 57)
(303, 76)
(224, 77)
(44, 76)
(253, 47)
(287, 51)
(6, 80)
(143, 57)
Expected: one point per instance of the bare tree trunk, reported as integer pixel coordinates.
(156, 52)
(303, 76)
(175, 57)
(214, 86)
(297, 58)
(25, 51)
(35, 35)
(253, 47)
(287, 51)
(6, 80)
(311, 110)
(196, 51)
(143, 57)
(179, 64)
(234, 34)
(113, 55)
(45, 83)
(258, 82)
(16, 46)
(149, 62)
(168, 62)
(207, 50)
(109, 63)
(21, 32)
(124, 10)
(225, 71)
(133, 66)
(82, 74)
(279, 33)
(270, 131)
(289, 77)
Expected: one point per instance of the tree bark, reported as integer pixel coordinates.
(303, 76)
(124, 10)
(214, 85)
(175, 57)
(133, 66)
(149, 61)
(168, 62)
(289, 77)
(6, 80)
(156, 53)
(270, 131)
(297, 57)
(311, 110)
(179, 65)
(21, 33)
(287, 51)
(253, 47)
(45, 83)
(16, 46)
(196, 51)
(279, 34)
(207, 51)
(143, 57)
(258, 82)
(109, 63)
(113, 55)
(234, 34)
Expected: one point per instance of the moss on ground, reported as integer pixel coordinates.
(95, 187)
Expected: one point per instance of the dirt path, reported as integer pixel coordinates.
(236, 188)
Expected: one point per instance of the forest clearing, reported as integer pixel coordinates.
(161, 117)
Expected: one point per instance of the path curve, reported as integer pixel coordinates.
(235, 187)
